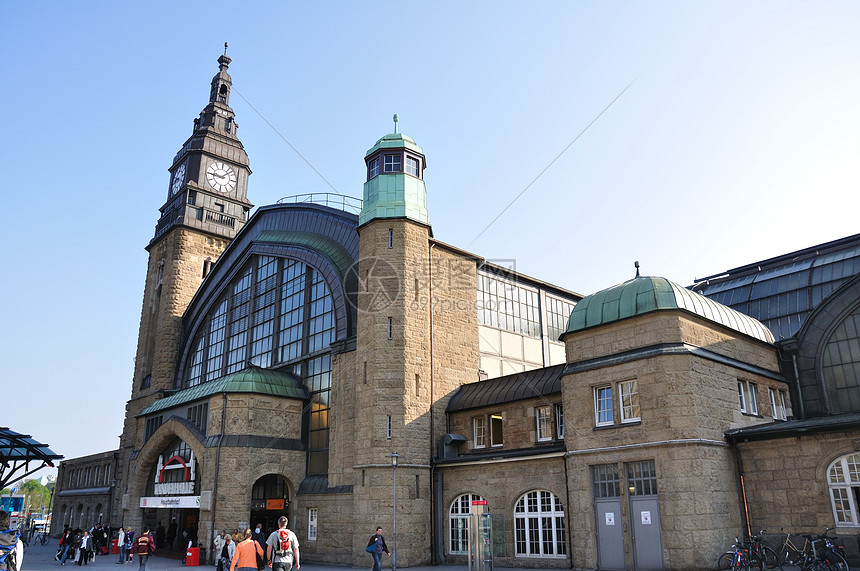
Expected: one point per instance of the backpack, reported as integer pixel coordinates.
(8, 545)
(284, 544)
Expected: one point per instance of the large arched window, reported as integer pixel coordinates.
(843, 476)
(458, 519)
(840, 365)
(274, 312)
(539, 529)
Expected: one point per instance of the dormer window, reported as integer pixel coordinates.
(412, 166)
(374, 167)
(392, 163)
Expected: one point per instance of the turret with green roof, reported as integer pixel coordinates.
(395, 180)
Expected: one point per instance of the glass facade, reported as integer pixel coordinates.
(277, 312)
(840, 365)
(507, 305)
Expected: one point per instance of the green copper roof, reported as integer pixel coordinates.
(646, 294)
(249, 380)
(395, 141)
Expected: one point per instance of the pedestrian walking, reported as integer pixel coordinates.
(377, 543)
(247, 554)
(144, 546)
(282, 548)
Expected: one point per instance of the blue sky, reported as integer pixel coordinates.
(737, 140)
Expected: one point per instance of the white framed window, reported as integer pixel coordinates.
(777, 404)
(559, 420)
(843, 478)
(392, 163)
(603, 406)
(458, 522)
(629, 401)
(479, 426)
(496, 438)
(747, 397)
(543, 418)
(539, 529)
(312, 524)
(374, 167)
(412, 166)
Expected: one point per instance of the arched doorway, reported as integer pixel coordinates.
(270, 499)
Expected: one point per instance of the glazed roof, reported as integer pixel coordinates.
(249, 380)
(644, 294)
(782, 292)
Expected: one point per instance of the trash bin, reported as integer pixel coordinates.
(192, 557)
(114, 547)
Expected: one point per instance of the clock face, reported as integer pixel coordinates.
(221, 177)
(178, 179)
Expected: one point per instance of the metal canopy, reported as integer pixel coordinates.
(18, 452)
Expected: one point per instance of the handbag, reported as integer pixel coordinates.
(371, 548)
(261, 560)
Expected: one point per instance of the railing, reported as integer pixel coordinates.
(220, 218)
(330, 199)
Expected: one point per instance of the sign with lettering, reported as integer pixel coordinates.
(170, 502)
(185, 486)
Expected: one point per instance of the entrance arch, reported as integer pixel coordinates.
(270, 499)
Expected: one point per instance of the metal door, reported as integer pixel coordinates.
(647, 539)
(610, 534)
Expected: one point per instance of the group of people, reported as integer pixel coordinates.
(81, 546)
(250, 550)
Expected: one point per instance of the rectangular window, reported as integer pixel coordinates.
(390, 238)
(496, 430)
(777, 404)
(392, 163)
(642, 478)
(412, 166)
(604, 481)
(558, 313)
(151, 426)
(198, 416)
(559, 421)
(374, 168)
(603, 406)
(543, 417)
(629, 401)
(312, 524)
(390, 328)
(507, 305)
(747, 397)
(388, 428)
(479, 425)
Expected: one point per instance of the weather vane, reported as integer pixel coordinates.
(636, 265)
(225, 48)
(396, 119)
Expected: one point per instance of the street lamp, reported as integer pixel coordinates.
(394, 458)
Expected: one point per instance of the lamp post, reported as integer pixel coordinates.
(394, 456)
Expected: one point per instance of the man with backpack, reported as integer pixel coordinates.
(282, 548)
(11, 547)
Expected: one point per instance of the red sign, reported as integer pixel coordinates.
(479, 502)
(274, 504)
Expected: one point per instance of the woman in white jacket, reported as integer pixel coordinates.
(228, 549)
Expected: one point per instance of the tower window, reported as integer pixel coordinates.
(392, 163)
(412, 166)
(374, 167)
(390, 238)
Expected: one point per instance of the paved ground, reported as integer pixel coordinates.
(41, 558)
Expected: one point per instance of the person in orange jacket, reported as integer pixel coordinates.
(247, 551)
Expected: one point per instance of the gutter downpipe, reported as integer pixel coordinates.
(567, 512)
(797, 384)
(435, 557)
(218, 462)
(743, 487)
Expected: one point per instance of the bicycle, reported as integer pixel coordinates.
(43, 538)
(739, 558)
(831, 556)
(759, 554)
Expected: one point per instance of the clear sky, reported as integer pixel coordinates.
(735, 138)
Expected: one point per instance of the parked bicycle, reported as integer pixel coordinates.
(817, 553)
(751, 553)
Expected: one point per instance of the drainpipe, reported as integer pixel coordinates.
(435, 557)
(797, 385)
(218, 463)
(567, 511)
(743, 488)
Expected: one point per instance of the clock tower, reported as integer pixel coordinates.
(206, 207)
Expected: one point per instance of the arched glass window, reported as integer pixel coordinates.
(840, 365)
(275, 312)
(539, 529)
(458, 519)
(843, 476)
